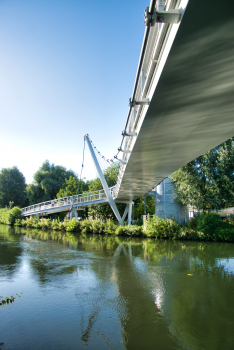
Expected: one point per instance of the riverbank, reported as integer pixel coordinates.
(207, 227)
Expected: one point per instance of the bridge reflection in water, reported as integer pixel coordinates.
(116, 292)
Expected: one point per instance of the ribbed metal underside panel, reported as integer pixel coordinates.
(192, 109)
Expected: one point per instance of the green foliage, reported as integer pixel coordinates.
(104, 211)
(129, 230)
(8, 216)
(207, 227)
(55, 224)
(208, 181)
(12, 187)
(70, 186)
(86, 226)
(98, 226)
(161, 228)
(139, 207)
(45, 224)
(214, 228)
(110, 228)
(73, 225)
(47, 182)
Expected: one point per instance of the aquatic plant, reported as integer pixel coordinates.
(8, 300)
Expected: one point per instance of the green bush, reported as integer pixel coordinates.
(109, 228)
(18, 222)
(129, 230)
(161, 228)
(73, 225)
(86, 226)
(98, 226)
(188, 233)
(8, 216)
(214, 228)
(55, 224)
(45, 224)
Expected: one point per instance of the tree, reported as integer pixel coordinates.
(139, 206)
(208, 181)
(48, 180)
(71, 186)
(12, 187)
(111, 175)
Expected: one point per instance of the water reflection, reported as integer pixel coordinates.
(10, 252)
(133, 293)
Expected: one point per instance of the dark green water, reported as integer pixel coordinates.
(100, 292)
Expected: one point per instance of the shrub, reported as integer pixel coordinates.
(45, 224)
(17, 222)
(129, 230)
(86, 226)
(188, 233)
(98, 226)
(23, 222)
(8, 216)
(161, 228)
(214, 228)
(55, 224)
(73, 225)
(110, 227)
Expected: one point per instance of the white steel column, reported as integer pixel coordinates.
(125, 212)
(130, 213)
(73, 214)
(104, 183)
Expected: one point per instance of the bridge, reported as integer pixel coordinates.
(182, 103)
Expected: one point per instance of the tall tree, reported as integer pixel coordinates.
(72, 186)
(12, 187)
(208, 181)
(47, 181)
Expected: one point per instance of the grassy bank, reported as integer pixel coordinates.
(207, 227)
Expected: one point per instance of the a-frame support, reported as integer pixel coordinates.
(73, 214)
(103, 181)
(128, 210)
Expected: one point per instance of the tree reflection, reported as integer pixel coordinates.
(10, 251)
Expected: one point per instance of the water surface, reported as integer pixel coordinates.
(103, 292)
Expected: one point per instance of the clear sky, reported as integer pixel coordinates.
(67, 68)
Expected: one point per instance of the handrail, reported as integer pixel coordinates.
(68, 200)
(140, 63)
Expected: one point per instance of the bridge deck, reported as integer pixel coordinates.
(66, 203)
(192, 104)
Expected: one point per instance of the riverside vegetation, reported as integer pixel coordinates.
(206, 227)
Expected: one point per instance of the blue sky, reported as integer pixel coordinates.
(67, 68)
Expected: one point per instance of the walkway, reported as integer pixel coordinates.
(79, 201)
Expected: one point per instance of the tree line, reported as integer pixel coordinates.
(205, 183)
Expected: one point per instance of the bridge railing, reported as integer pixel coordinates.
(68, 200)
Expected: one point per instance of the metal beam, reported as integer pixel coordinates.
(125, 212)
(130, 213)
(103, 181)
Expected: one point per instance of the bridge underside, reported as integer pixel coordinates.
(192, 109)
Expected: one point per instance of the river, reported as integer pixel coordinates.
(102, 292)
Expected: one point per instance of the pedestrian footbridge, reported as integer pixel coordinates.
(182, 103)
(67, 203)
